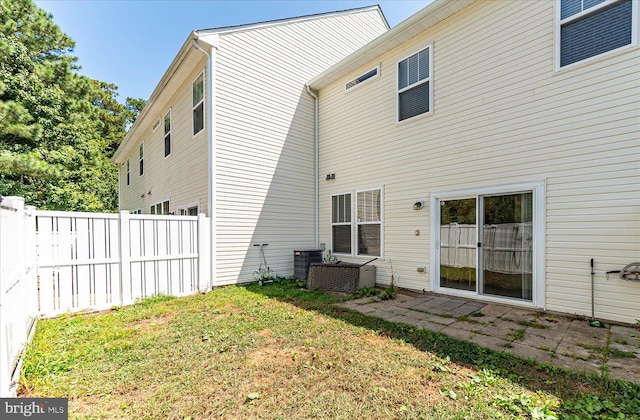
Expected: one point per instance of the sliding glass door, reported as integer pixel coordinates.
(507, 245)
(486, 244)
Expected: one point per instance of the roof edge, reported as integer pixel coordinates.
(275, 22)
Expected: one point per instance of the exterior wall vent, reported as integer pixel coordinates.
(375, 72)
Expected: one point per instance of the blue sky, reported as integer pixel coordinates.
(132, 42)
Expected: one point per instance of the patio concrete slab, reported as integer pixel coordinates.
(545, 338)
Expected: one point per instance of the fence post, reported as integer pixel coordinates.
(125, 253)
(203, 254)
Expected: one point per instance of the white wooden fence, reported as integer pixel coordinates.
(507, 248)
(18, 285)
(57, 262)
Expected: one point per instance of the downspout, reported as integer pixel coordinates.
(209, 85)
(316, 135)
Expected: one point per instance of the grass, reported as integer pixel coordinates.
(281, 352)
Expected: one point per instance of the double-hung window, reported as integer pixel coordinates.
(141, 160)
(128, 172)
(167, 134)
(369, 222)
(341, 223)
(588, 28)
(198, 104)
(366, 227)
(415, 88)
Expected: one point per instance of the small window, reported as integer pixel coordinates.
(198, 104)
(141, 151)
(369, 222)
(592, 27)
(160, 208)
(128, 172)
(167, 134)
(361, 79)
(341, 224)
(414, 85)
(137, 211)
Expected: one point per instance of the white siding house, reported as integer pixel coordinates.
(229, 131)
(493, 154)
(486, 149)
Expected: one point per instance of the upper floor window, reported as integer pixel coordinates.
(128, 172)
(341, 223)
(592, 27)
(167, 134)
(141, 151)
(414, 85)
(198, 104)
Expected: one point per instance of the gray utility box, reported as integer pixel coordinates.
(367, 276)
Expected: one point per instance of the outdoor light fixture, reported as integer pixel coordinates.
(330, 177)
(418, 205)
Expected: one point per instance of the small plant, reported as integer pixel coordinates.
(392, 290)
(517, 334)
(366, 292)
(328, 257)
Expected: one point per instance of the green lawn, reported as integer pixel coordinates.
(280, 352)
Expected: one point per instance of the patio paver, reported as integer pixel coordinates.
(527, 333)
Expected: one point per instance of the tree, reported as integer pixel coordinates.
(58, 129)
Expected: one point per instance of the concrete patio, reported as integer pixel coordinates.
(543, 337)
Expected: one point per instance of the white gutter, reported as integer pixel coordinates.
(316, 136)
(210, 106)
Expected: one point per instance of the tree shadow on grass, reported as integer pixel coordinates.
(584, 395)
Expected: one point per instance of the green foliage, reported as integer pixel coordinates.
(366, 292)
(58, 129)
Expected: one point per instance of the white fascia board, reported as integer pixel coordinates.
(431, 15)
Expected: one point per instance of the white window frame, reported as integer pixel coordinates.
(128, 171)
(420, 82)
(352, 88)
(539, 218)
(184, 208)
(170, 134)
(161, 204)
(350, 223)
(357, 223)
(141, 159)
(202, 101)
(635, 31)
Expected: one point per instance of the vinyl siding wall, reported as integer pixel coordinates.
(181, 177)
(501, 115)
(265, 137)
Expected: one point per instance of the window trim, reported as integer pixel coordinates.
(350, 223)
(381, 223)
(170, 134)
(420, 82)
(204, 105)
(161, 204)
(186, 206)
(141, 159)
(352, 88)
(559, 22)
